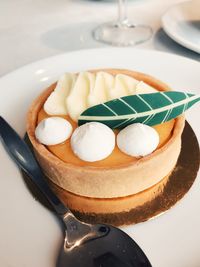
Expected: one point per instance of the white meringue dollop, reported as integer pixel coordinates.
(138, 140)
(53, 131)
(93, 141)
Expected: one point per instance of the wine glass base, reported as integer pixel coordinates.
(122, 34)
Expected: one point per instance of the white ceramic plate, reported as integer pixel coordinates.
(182, 23)
(29, 234)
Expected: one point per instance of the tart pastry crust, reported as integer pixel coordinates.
(114, 182)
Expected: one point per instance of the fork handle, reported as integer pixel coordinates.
(23, 157)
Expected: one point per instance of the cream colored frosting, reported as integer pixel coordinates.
(55, 104)
(75, 93)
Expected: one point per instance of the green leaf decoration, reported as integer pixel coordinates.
(150, 109)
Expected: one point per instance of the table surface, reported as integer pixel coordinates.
(33, 30)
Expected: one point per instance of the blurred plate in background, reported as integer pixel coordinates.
(182, 23)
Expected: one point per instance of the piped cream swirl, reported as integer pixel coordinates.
(74, 93)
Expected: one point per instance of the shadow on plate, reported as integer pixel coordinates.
(193, 24)
(72, 37)
(35, 192)
(79, 36)
(162, 42)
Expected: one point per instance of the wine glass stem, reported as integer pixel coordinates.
(122, 9)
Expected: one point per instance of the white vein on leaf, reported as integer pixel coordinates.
(141, 114)
(186, 104)
(147, 104)
(149, 118)
(123, 122)
(167, 115)
(110, 109)
(167, 97)
(125, 103)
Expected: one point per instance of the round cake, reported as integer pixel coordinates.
(111, 188)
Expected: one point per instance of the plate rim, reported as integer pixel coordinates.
(50, 58)
(181, 41)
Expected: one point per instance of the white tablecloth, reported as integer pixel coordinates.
(34, 29)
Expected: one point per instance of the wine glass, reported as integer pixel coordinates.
(122, 32)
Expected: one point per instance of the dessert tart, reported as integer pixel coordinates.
(111, 187)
